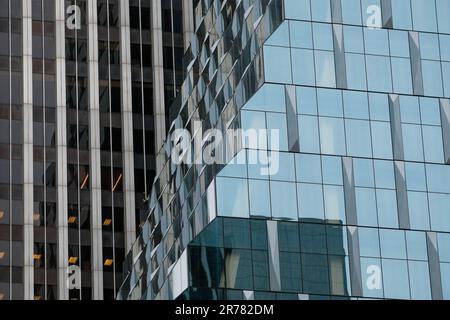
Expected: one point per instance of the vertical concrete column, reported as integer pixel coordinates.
(188, 22)
(445, 116)
(396, 127)
(274, 256)
(61, 151)
(435, 267)
(355, 262)
(336, 11)
(416, 63)
(158, 78)
(402, 195)
(95, 161)
(349, 191)
(292, 120)
(339, 56)
(28, 197)
(386, 10)
(127, 125)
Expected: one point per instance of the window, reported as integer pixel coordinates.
(310, 200)
(286, 170)
(424, 15)
(356, 71)
(330, 103)
(238, 267)
(401, 73)
(364, 175)
(277, 64)
(308, 168)
(444, 247)
(415, 176)
(290, 272)
(302, 67)
(325, 70)
(379, 74)
(306, 101)
(417, 246)
(277, 122)
(418, 210)
(376, 41)
(313, 238)
(433, 144)
(387, 208)
(393, 244)
(301, 35)
(332, 136)
(439, 209)
(309, 134)
(321, 10)
(356, 105)
(323, 36)
(384, 174)
(371, 267)
(432, 78)
(395, 279)
(379, 107)
(438, 178)
(280, 37)
(401, 13)
(284, 200)
(334, 204)
(430, 111)
(259, 198)
(369, 242)
(366, 207)
(419, 280)
(232, 197)
(353, 39)
(412, 142)
(399, 43)
(358, 138)
(297, 9)
(332, 170)
(351, 12)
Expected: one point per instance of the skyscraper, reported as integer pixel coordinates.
(85, 90)
(358, 202)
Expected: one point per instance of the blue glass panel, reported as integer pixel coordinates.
(418, 210)
(297, 9)
(419, 280)
(308, 168)
(232, 197)
(416, 244)
(439, 212)
(332, 170)
(332, 136)
(277, 63)
(303, 67)
(395, 279)
(393, 244)
(356, 105)
(309, 134)
(259, 198)
(301, 34)
(366, 207)
(330, 102)
(310, 200)
(306, 100)
(387, 208)
(284, 200)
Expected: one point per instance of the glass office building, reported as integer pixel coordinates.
(85, 90)
(359, 206)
